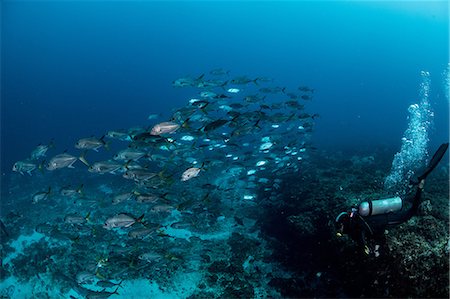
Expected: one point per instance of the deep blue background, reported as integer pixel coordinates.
(74, 69)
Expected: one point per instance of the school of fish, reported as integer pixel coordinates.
(142, 199)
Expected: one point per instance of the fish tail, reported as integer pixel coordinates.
(164, 196)
(203, 109)
(41, 165)
(119, 284)
(98, 275)
(206, 197)
(82, 158)
(139, 219)
(80, 190)
(106, 145)
(126, 164)
(115, 291)
(51, 144)
(257, 124)
(185, 124)
(291, 117)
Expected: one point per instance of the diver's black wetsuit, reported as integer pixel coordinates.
(365, 230)
(361, 229)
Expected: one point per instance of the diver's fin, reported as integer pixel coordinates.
(434, 161)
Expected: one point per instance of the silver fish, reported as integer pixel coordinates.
(101, 294)
(219, 72)
(119, 135)
(40, 151)
(122, 197)
(24, 166)
(61, 161)
(71, 192)
(190, 173)
(211, 83)
(164, 128)
(129, 154)
(187, 81)
(150, 257)
(243, 80)
(153, 116)
(42, 195)
(92, 143)
(162, 208)
(85, 277)
(148, 198)
(76, 219)
(102, 167)
(208, 94)
(121, 220)
(140, 233)
(139, 174)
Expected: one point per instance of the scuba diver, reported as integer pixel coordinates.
(366, 223)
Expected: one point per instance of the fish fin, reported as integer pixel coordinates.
(98, 275)
(119, 284)
(51, 144)
(82, 158)
(257, 124)
(164, 196)
(88, 216)
(139, 219)
(80, 190)
(185, 124)
(163, 176)
(41, 165)
(291, 117)
(105, 143)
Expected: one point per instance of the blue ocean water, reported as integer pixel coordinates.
(72, 69)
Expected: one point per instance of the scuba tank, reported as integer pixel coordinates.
(380, 206)
(394, 204)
